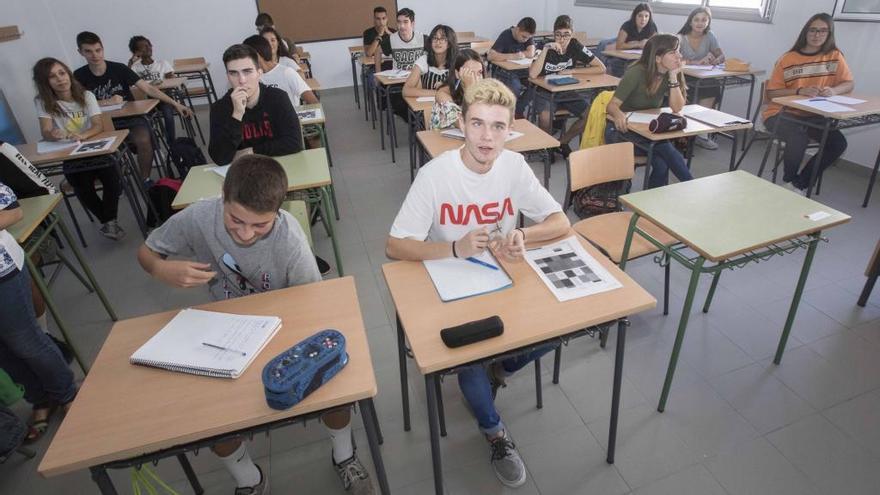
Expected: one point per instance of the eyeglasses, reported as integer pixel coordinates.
(563, 36)
(818, 31)
(438, 39)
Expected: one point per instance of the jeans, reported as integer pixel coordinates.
(103, 208)
(168, 118)
(26, 353)
(477, 389)
(664, 159)
(516, 86)
(796, 137)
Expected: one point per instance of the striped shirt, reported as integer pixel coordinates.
(432, 77)
(796, 70)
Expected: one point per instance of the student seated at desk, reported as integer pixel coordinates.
(111, 83)
(251, 114)
(481, 173)
(264, 22)
(404, 47)
(633, 35)
(278, 76)
(644, 86)
(466, 70)
(153, 71)
(699, 46)
(280, 55)
(813, 67)
(379, 34)
(514, 44)
(430, 71)
(67, 112)
(563, 56)
(27, 353)
(270, 252)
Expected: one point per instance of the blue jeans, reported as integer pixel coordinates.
(26, 353)
(168, 118)
(796, 137)
(477, 389)
(664, 159)
(516, 86)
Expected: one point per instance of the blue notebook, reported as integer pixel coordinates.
(563, 81)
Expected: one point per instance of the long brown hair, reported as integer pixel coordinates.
(829, 46)
(657, 46)
(686, 29)
(282, 50)
(46, 94)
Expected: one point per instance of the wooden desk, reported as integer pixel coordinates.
(355, 52)
(418, 116)
(126, 414)
(136, 108)
(464, 41)
(384, 87)
(306, 170)
(313, 83)
(29, 150)
(531, 315)
(872, 272)
(533, 140)
(171, 83)
(700, 79)
(624, 54)
(729, 219)
(40, 210)
(862, 114)
(198, 71)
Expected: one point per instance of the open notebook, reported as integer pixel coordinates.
(208, 343)
(457, 278)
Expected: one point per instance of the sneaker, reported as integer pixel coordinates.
(112, 230)
(323, 266)
(707, 142)
(354, 476)
(253, 490)
(497, 377)
(506, 462)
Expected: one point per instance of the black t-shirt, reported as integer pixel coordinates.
(371, 34)
(575, 53)
(506, 43)
(116, 80)
(633, 34)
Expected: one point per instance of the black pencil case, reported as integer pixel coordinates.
(473, 331)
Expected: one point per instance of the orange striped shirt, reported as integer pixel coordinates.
(795, 70)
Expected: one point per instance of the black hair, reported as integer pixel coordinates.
(260, 45)
(257, 182)
(240, 51)
(643, 7)
(408, 13)
(455, 88)
(380, 9)
(263, 19)
(282, 50)
(451, 45)
(562, 22)
(132, 43)
(87, 38)
(527, 24)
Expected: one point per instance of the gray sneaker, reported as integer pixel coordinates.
(354, 476)
(506, 462)
(707, 142)
(256, 489)
(112, 230)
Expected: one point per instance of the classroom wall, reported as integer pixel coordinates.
(762, 44)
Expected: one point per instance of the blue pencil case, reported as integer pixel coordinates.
(563, 81)
(297, 372)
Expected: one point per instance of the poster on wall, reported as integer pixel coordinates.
(857, 10)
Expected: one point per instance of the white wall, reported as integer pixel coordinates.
(762, 45)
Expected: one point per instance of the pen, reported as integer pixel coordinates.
(480, 262)
(226, 348)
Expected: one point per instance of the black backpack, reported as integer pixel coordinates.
(185, 153)
(161, 195)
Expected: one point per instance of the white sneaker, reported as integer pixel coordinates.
(112, 230)
(707, 142)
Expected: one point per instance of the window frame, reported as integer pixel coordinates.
(763, 15)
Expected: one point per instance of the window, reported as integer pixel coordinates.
(739, 10)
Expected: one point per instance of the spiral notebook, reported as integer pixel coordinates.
(208, 343)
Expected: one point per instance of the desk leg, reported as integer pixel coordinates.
(648, 158)
(682, 326)
(431, 392)
(627, 243)
(370, 422)
(404, 382)
(102, 479)
(547, 163)
(441, 414)
(190, 474)
(88, 272)
(354, 81)
(749, 108)
(732, 165)
(381, 114)
(412, 146)
(126, 164)
(615, 391)
(814, 170)
(798, 291)
(392, 128)
(779, 117)
(557, 361)
(327, 215)
(539, 392)
(871, 181)
(866, 290)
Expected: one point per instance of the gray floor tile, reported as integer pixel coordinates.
(692, 480)
(858, 418)
(757, 467)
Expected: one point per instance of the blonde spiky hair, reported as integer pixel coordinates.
(490, 92)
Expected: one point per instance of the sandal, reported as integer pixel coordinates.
(37, 427)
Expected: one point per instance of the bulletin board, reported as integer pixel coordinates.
(306, 21)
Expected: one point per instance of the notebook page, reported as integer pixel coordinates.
(457, 278)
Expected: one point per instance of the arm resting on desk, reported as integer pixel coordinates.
(10, 217)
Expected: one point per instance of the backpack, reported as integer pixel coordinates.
(161, 195)
(185, 153)
(599, 199)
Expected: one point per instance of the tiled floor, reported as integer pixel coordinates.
(735, 423)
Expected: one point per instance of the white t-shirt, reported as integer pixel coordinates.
(73, 117)
(431, 77)
(405, 53)
(11, 254)
(289, 80)
(288, 62)
(153, 72)
(447, 200)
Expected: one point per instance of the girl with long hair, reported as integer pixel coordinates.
(430, 71)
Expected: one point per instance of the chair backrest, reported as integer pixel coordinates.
(600, 164)
(189, 61)
(580, 36)
(477, 46)
(107, 122)
(465, 33)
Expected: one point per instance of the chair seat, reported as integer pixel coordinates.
(608, 233)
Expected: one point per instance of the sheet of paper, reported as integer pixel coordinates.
(569, 271)
(310, 114)
(711, 116)
(457, 278)
(521, 61)
(635, 50)
(220, 170)
(699, 67)
(845, 100)
(824, 105)
(426, 98)
(93, 146)
(394, 73)
(640, 118)
(456, 133)
(819, 215)
(110, 108)
(53, 146)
